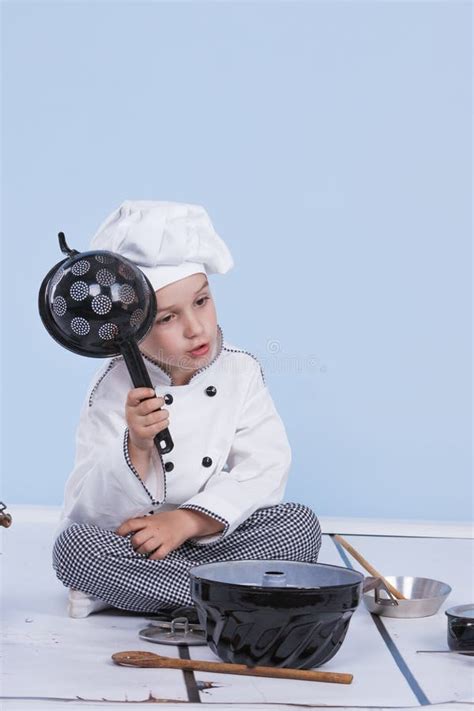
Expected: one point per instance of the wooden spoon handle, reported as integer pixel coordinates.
(368, 567)
(149, 659)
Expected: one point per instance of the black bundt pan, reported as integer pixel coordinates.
(252, 617)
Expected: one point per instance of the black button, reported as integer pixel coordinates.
(211, 391)
(168, 398)
(169, 466)
(206, 462)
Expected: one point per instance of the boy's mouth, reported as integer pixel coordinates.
(202, 350)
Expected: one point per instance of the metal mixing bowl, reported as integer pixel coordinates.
(425, 597)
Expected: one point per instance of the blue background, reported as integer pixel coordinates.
(331, 145)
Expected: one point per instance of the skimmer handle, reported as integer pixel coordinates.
(141, 379)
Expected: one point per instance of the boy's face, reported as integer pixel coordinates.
(186, 319)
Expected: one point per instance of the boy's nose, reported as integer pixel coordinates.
(193, 327)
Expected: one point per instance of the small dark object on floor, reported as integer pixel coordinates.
(461, 628)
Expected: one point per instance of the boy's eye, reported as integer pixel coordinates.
(165, 320)
(200, 302)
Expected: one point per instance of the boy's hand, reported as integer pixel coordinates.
(144, 417)
(163, 531)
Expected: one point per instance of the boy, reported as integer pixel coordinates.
(135, 521)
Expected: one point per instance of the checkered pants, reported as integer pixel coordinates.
(104, 564)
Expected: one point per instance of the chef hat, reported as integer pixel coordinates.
(166, 240)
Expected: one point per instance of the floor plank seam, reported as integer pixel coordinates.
(189, 678)
(79, 701)
(391, 646)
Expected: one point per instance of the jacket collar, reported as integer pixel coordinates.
(163, 377)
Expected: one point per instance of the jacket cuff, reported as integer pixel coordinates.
(212, 537)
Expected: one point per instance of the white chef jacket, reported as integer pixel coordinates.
(231, 454)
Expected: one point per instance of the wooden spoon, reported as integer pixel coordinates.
(368, 567)
(149, 659)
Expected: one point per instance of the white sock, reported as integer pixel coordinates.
(81, 604)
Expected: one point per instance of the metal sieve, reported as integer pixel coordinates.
(100, 304)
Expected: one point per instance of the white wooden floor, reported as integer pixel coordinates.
(54, 662)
